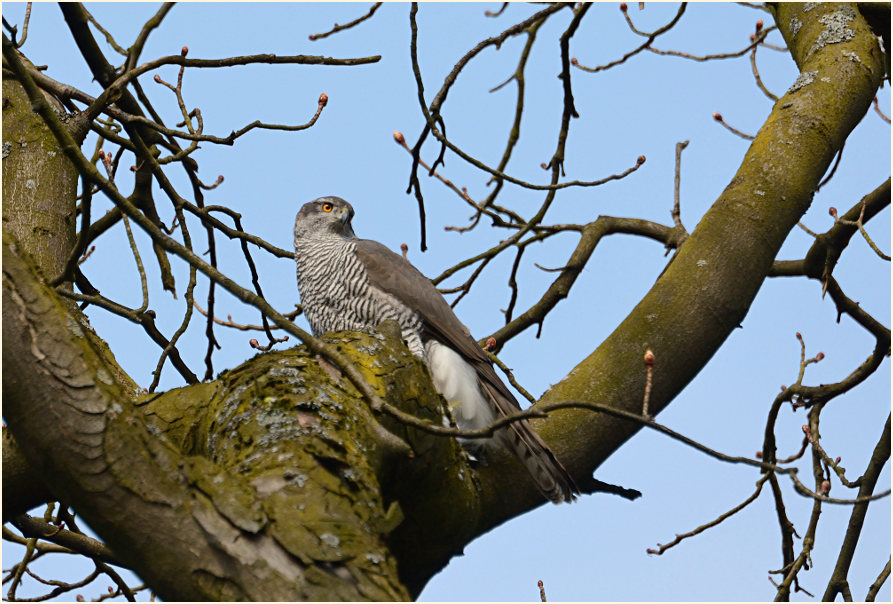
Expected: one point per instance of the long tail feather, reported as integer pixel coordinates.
(550, 477)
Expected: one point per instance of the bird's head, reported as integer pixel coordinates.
(324, 216)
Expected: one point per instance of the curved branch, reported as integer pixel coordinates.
(347, 25)
(822, 256)
(634, 52)
(133, 53)
(35, 527)
(879, 459)
(707, 289)
(592, 234)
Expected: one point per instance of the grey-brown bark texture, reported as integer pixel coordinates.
(276, 481)
(31, 209)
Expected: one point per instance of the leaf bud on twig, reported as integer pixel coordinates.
(649, 358)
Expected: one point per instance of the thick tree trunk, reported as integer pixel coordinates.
(39, 184)
(276, 481)
(261, 485)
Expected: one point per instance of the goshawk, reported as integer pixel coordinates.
(347, 283)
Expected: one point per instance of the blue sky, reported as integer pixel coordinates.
(596, 548)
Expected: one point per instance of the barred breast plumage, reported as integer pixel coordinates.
(347, 283)
(336, 294)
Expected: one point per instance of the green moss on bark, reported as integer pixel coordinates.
(708, 287)
(39, 184)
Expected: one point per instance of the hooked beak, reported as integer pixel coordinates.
(345, 215)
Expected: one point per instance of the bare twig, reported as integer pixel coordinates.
(488, 13)
(735, 131)
(149, 26)
(644, 46)
(36, 528)
(144, 286)
(433, 118)
(591, 235)
(753, 63)
(662, 547)
(510, 376)
(806, 229)
(240, 326)
(877, 108)
(825, 251)
(108, 37)
(868, 481)
(649, 371)
(190, 287)
(859, 224)
(833, 169)
(25, 21)
(878, 583)
(348, 25)
(462, 193)
(728, 55)
(675, 212)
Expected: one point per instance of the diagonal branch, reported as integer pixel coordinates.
(879, 459)
(713, 279)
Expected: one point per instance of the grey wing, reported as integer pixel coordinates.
(393, 274)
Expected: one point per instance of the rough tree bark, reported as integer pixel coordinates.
(39, 183)
(276, 481)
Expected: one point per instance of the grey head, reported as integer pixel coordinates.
(325, 216)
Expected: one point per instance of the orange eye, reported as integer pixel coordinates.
(327, 207)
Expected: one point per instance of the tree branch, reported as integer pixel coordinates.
(879, 459)
(712, 280)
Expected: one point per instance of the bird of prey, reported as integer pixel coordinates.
(348, 283)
